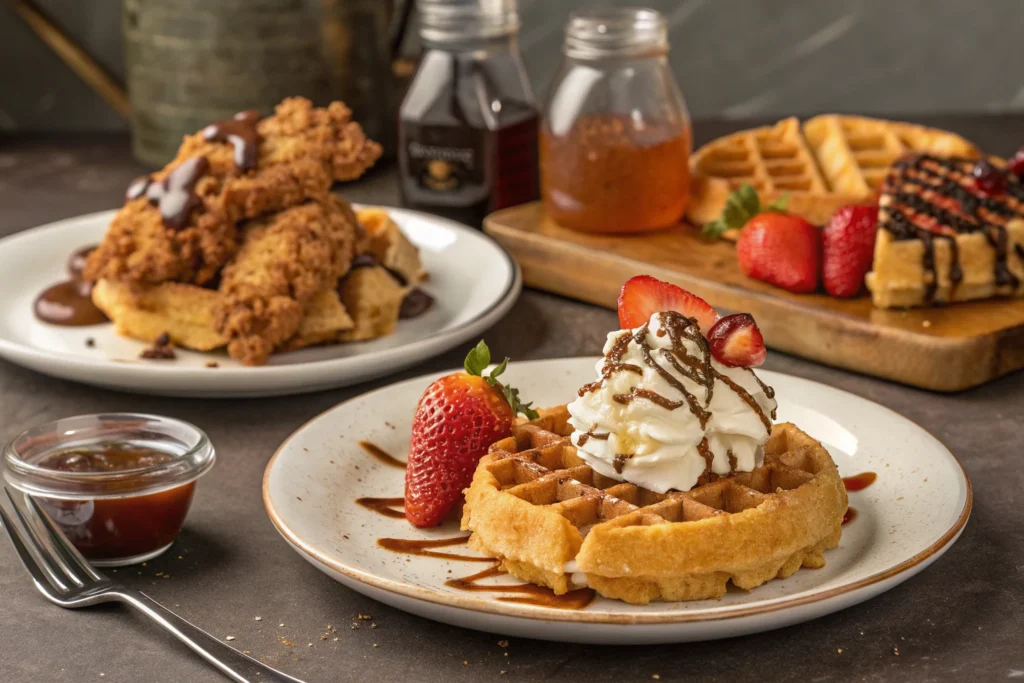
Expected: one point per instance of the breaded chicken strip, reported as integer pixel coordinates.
(284, 260)
(296, 155)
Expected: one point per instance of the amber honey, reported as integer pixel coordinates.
(611, 174)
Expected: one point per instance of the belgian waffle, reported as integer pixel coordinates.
(538, 507)
(826, 163)
(940, 239)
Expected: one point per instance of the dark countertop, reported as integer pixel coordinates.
(960, 618)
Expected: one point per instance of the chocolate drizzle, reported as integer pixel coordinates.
(697, 368)
(426, 548)
(137, 188)
(748, 399)
(590, 434)
(923, 192)
(174, 195)
(709, 458)
(241, 132)
(613, 363)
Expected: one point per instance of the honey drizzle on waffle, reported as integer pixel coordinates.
(949, 178)
(679, 329)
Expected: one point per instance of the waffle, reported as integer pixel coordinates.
(185, 313)
(373, 297)
(828, 162)
(392, 249)
(941, 240)
(538, 507)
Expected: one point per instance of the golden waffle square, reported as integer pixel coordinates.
(828, 162)
(552, 520)
(323, 322)
(373, 298)
(186, 312)
(940, 239)
(391, 247)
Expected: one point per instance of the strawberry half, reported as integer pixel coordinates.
(736, 341)
(643, 296)
(457, 419)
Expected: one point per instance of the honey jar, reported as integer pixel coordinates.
(615, 139)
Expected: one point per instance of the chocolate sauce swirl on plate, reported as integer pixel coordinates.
(69, 303)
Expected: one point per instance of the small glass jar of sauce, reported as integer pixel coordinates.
(119, 485)
(615, 139)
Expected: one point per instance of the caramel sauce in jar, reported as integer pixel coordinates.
(118, 485)
(117, 527)
(609, 174)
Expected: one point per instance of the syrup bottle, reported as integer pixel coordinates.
(468, 124)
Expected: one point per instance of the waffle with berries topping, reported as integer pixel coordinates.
(949, 229)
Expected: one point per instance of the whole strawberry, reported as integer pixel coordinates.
(849, 248)
(781, 249)
(771, 245)
(458, 417)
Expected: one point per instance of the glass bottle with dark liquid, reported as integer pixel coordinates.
(468, 124)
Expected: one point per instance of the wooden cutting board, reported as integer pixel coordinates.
(946, 348)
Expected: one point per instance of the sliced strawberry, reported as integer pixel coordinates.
(781, 249)
(849, 248)
(457, 419)
(643, 296)
(736, 341)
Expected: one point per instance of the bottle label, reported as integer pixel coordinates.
(447, 160)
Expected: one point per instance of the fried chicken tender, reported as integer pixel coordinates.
(284, 261)
(302, 150)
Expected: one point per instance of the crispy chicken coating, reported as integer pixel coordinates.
(285, 259)
(301, 151)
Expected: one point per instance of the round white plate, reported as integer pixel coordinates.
(473, 280)
(905, 520)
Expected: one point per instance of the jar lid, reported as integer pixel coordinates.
(454, 20)
(616, 32)
(192, 455)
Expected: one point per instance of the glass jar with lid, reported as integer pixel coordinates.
(468, 123)
(615, 139)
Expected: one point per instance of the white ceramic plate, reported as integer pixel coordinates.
(473, 280)
(905, 520)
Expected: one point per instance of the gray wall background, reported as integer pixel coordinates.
(733, 58)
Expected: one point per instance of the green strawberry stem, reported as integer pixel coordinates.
(742, 205)
(477, 360)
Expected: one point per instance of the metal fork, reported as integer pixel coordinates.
(65, 578)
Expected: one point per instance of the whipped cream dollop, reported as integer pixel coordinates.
(663, 411)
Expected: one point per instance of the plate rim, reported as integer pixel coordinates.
(15, 351)
(582, 616)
